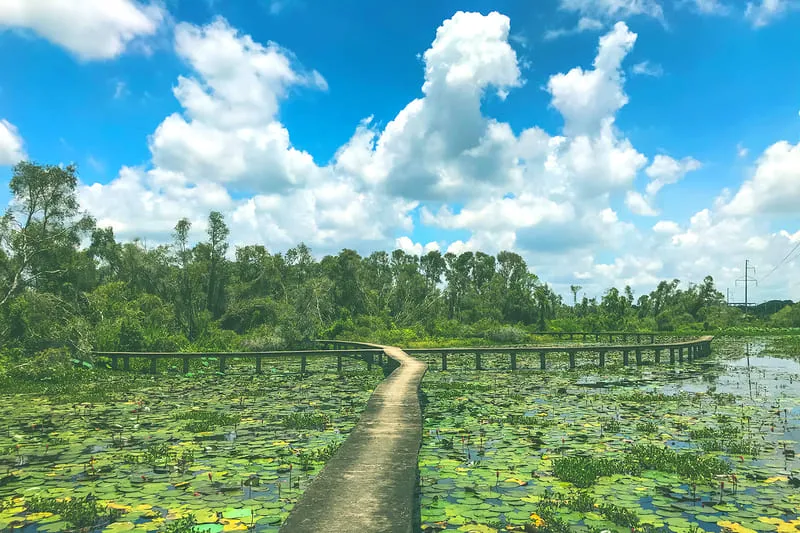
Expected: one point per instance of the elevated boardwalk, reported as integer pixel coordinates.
(369, 355)
(681, 350)
(368, 486)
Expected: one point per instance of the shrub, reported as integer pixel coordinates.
(506, 335)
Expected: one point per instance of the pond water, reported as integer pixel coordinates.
(705, 447)
(138, 453)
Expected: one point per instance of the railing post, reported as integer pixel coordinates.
(444, 361)
(571, 359)
(222, 363)
(185, 365)
(339, 363)
(658, 355)
(303, 362)
(652, 339)
(571, 336)
(478, 361)
(671, 355)
(624, 337)
(369, 361)
(126, 362)
(258, 364)
(680, 354)
(113, 362)
(690, 354)
(584, 337)
(596, 337)
(542, 361)
(625, 357)
(638, 357)
(602, 358)
(153, 365)
(513, 360)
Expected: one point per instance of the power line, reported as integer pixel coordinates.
(796, 246)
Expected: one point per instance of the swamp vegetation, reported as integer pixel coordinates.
(705, 447)
(96, 450)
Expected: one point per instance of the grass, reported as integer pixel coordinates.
(545, 519)
(309, 420)
(79, 512)
(207, 420)
(582, 471)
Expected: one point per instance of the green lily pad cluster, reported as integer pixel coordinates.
(213, 452)
(676, 449)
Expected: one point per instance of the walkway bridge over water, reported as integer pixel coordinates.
(369, 485)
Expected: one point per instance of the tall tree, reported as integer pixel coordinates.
(41, 229)
(218, 246)
(186, 294)
(575, 289)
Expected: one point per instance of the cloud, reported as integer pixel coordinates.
(774, 187)
(645, 68)
(709, 7)
(414, 248)
(666, 226)
(587, 98)
(227, 138)
(120, 90)
(440, 146)
(762, 12)
(741, 150)
(90, 29)
(11, 145)
(665, 170)
(95, 163)
(546, 195)
(584, 24)
(228, 131)
(614, 9)
(639, 205)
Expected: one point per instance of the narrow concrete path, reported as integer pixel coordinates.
(368, 486)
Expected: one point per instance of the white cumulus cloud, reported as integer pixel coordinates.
(90, 29)
(774, 187)
(587, 98)
(11, 147)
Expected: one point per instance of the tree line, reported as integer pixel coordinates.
(67, 283)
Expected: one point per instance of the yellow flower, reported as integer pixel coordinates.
(537, 520)
(735, 527)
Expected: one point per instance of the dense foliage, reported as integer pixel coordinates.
(66, 284)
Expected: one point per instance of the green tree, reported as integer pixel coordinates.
(41, 230)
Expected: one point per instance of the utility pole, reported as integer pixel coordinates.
(747, 280)
(728, 296)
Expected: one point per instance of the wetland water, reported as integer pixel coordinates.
(705, 447)
(138, 452)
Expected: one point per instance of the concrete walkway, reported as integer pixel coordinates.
(368, 486)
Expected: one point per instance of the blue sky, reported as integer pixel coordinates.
(721, 86)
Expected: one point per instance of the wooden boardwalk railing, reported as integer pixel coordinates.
(622, 336)
(679, 350)
(368, 355)
(691, 350)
